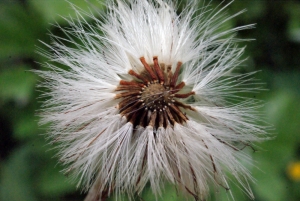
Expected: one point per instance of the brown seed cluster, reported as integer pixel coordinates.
(152, 98)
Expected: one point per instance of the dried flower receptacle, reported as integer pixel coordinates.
(150, 100)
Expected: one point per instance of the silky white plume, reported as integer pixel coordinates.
(150, 95)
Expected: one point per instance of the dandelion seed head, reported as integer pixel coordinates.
(151, 99)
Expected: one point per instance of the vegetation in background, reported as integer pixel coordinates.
(28, 171)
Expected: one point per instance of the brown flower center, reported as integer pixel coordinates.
(152, 98)
(156, 96)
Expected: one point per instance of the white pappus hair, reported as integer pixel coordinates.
(147, 95)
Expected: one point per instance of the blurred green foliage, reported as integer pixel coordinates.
(28, 171)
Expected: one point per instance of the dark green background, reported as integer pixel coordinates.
(28, 171)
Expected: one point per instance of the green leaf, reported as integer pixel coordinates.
(26, 127)
(294, 23)
(54, 10)
(283, 112)
(16, 177)
(53, 183)
(21, 27)
(17, 84)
